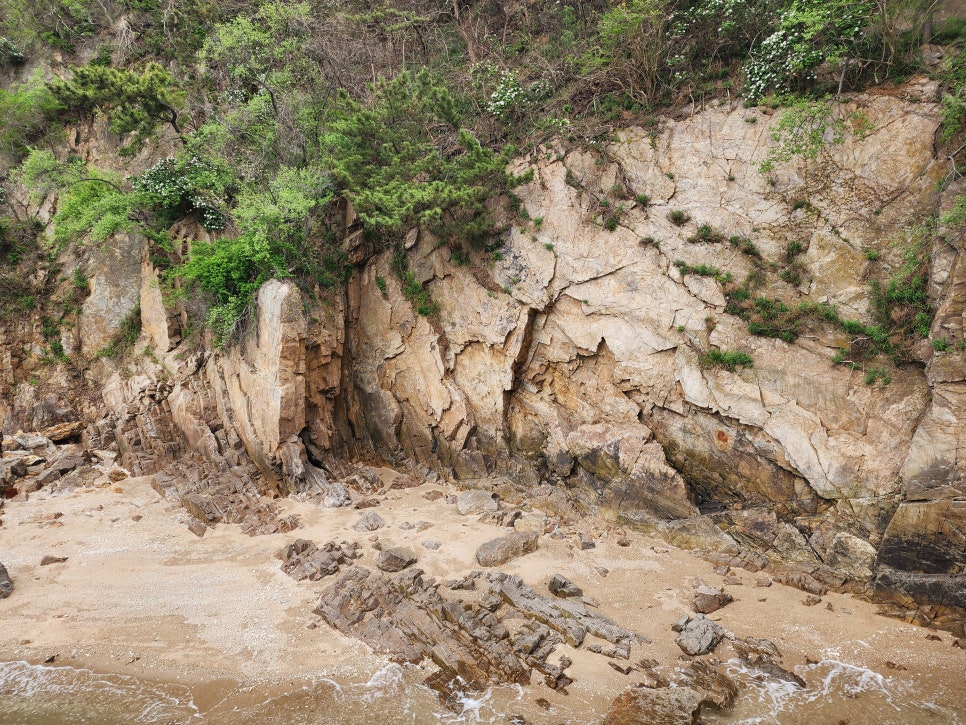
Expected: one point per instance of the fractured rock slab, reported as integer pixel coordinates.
(302, 559)
(699, 635)
(499, 551)
(396, 559)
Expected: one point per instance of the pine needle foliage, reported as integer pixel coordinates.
(402, 160)
(135, 102)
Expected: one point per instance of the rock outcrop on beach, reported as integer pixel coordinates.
(579, 358)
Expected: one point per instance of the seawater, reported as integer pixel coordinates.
(837, 693)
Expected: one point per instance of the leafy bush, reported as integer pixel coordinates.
(804, 129)
(186, 183)
(27, 110)
(276, 242)
(91, 201)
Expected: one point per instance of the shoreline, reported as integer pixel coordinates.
(147, 598)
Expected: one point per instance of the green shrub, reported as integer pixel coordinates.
(27, 110)
(745, 246)
(705, 235)
(726, 359)
(703, 270)
(940, 344)
(678, 218)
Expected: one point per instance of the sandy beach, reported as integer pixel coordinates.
(140, 595)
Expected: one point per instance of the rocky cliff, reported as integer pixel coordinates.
(578, 354)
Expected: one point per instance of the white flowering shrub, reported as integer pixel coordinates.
(809, 33)
(508, 98)
(178, 186)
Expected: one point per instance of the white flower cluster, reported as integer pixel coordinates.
(173, 186)
(507, 97)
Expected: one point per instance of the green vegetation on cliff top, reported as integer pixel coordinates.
(286, 114)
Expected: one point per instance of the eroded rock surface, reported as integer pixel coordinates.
(576, 360)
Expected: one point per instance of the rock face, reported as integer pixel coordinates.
(499, 551)
(576, 359)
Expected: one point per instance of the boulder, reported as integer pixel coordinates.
(699, 635)
(851, 555)
(6, 583)
(396, 559)
(50, 559)
(710, 599)
(645, 706)
(477, 502)
(11, 469)
(369, 521)
(63, 431)
(718, 691)
(335, 496)
(37, 444)
(499, 551)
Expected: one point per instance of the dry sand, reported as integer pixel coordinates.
(150, 599)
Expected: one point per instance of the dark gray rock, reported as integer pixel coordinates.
(11, 469)
(6, 583)
(710, 599)
(302, 559)
(563, 587)
(396, 559)
(699, 636)
(499, 551)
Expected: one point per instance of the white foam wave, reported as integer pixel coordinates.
(831, 681)
(79, 695)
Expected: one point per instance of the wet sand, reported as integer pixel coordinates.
(149, 599)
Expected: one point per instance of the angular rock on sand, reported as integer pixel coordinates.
(477, 502)
(644, 706)
(369, 521)
(6, 583)
(499, 551)
(698, 635)
(396, 559)
(563, 587)
(710, 599)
